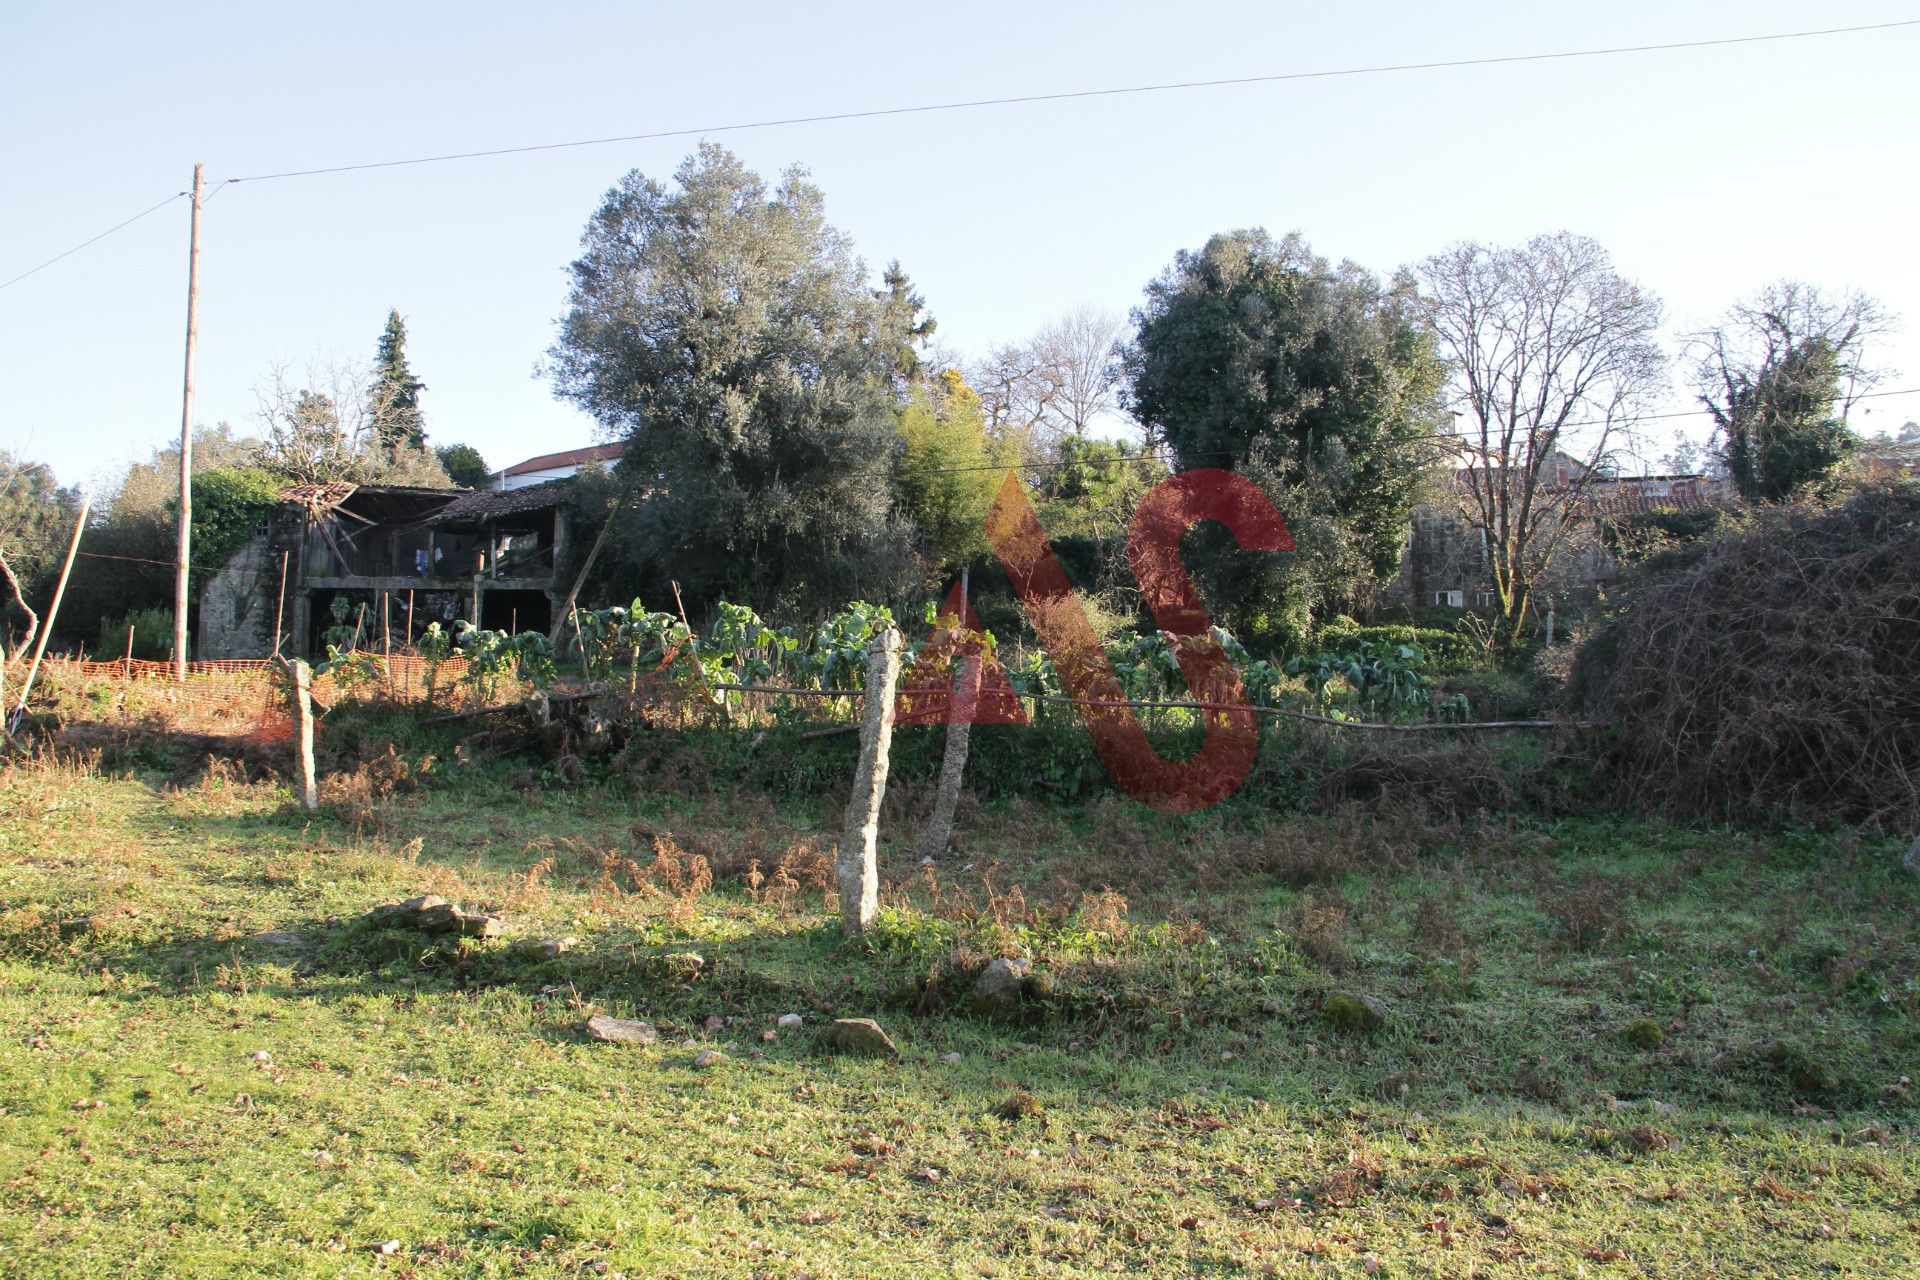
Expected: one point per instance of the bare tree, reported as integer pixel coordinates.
(1081, 348)
(1057, 383)
(1554, 358)
(327, 431)
(1017, 385)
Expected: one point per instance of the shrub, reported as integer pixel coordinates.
(1772, 672)
(1448, 651)
(152, 636)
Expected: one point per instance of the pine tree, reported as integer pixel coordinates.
(904, 322)
(394, 399)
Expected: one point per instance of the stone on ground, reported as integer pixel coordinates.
(861, 1035)
(1000, 986)
(621, 1030)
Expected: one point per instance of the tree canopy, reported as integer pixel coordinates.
(727, 332)
(950, 468)
(1320, 383)
(463, 465)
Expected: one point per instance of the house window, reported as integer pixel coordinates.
(1450, 599)
(1486, 599)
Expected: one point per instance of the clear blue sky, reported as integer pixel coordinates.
(1706, 173)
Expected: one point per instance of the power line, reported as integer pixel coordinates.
(1011, 100)
(95, 240)
(1070, 95)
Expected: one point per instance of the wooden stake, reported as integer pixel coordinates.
(280, 605)
(386, 640)
(693, 647)
(128, 664)
(53, 610)
(409, 617)
(580, 580)
(183, 555)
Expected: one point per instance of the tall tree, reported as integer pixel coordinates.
(905, 322)
(950, 468)
(728, 334)
(1554, 358)
(1779, 376)
(393, 401)
(1317, 382)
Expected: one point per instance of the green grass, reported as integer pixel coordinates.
(1197, 1114)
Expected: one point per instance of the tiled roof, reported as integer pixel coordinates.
(568, 458)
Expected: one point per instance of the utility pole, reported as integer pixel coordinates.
(186, 438)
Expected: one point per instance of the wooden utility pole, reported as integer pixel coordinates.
(186, 436)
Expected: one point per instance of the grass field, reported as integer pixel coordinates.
(1609, 1048)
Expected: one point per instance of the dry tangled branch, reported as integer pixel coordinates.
(1776, 673)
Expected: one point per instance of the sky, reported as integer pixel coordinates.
(1707, 173)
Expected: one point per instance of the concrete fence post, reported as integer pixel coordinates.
(857, 869)
(953, 766)
(308, 786)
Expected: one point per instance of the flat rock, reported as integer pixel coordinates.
(709, 1058)
(275, 938)
(546, 948)
(621, 1030)
(478, 924)
(441, 917)
(790, 1021)
(861, 1035)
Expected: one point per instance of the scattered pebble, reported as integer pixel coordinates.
(709, 1058)
(791, 1020)
(949, 1058)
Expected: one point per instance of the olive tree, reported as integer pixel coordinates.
(726, 332)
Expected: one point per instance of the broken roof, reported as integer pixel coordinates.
(489, 505)
(372, 503)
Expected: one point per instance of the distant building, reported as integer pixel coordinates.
(399, 556)
(1446, 563)
(556, 466)
(395, 557)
